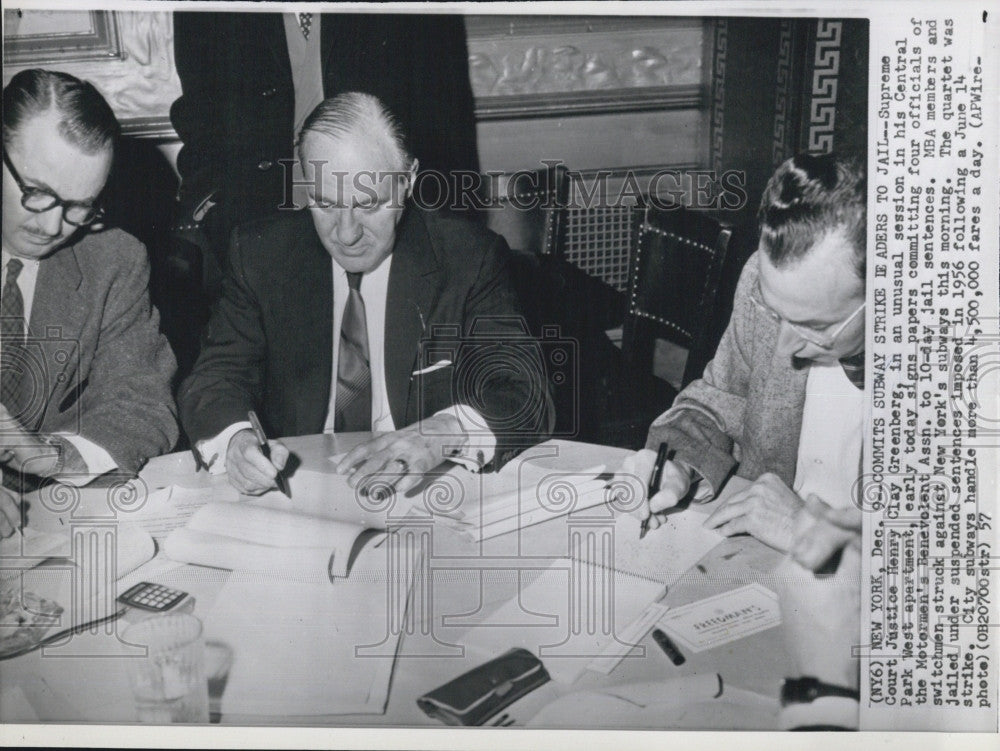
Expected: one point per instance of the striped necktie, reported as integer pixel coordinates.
(11, 338)
(353, 407)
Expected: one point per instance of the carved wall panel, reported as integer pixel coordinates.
(543, 66)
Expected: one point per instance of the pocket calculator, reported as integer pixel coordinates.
(155, 598)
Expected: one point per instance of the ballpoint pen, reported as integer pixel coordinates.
(258, 432)
(663, 455)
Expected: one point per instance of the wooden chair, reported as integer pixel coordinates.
(676, 260)
(676, 265)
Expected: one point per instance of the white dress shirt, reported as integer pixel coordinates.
(97, 459)
(829, 459)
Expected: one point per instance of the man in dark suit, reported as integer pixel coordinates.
(249, 80)
(365, 313)
(86, 373)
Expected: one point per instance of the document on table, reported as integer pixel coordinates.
(169, 508)
(666, 553)
(723, 618)
(282, 542)
(300, 648)
(567, 617)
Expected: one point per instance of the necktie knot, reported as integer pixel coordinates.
(14, 267)
(354, 280)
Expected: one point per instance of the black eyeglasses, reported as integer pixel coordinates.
(39, 200)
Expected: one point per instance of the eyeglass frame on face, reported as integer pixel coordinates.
(27, 191)
(807, 333)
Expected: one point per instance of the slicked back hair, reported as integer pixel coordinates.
(85, 118)
(357, 113)
(809, 196)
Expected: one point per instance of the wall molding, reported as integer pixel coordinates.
(613, 101)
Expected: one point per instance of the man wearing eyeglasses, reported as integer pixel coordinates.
(781, 403)
(85, 372)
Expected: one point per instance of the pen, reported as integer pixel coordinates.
(668, 647)
(258, 432)
(663, 455)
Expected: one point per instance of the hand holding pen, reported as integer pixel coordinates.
(254, 465)
(258, 431)
(664, 489)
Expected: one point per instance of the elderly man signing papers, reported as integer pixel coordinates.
(365, 313)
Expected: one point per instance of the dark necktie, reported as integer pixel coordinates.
(305, 23)
(353, 408)
(11, 338)
(854, 369)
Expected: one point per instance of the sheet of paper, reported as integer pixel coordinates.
(667, 552)
(723, 618)
(170, 508)
(567, 616)
(247, 537)
(299, 648)
(322, 494)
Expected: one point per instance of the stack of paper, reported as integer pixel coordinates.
(524, 494)
(242, 537)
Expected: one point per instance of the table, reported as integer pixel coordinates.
(92, 687)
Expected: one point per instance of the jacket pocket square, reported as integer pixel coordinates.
(431, 368)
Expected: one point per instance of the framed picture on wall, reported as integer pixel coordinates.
(44, 37)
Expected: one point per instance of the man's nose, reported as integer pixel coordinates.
(790, 343)
(51, 222)
(349, 229)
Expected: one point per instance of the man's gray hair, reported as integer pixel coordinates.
(357, 113)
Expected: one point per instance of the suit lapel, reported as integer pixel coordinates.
(59, 314)
(307, 296)
(413, 284)
(270, 27)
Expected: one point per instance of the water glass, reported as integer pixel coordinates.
(169, 684)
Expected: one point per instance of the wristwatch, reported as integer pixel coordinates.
(808, 703)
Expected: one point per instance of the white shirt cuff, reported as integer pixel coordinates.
(837, 711)
(482, 444)
(213, 450)
(96, 459)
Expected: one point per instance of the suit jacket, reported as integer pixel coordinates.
(269, 343)
(746, 410)
(101, 367)
(236, 113)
